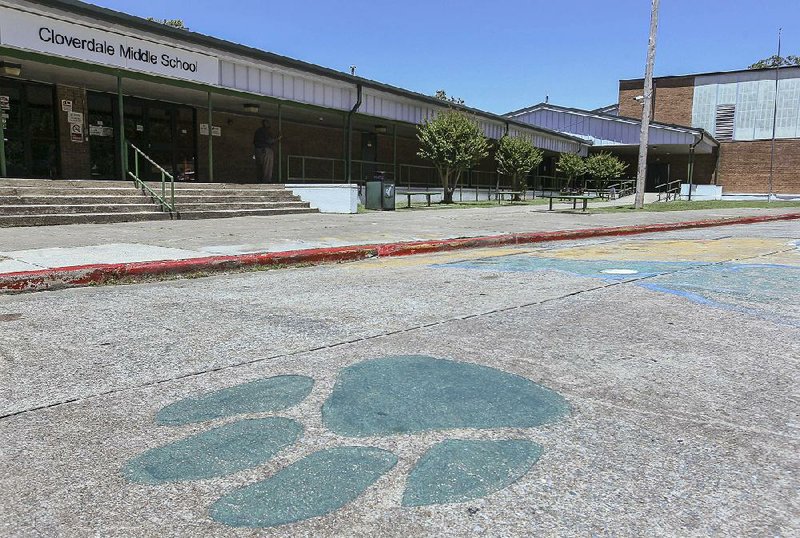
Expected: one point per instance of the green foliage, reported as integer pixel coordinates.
(441, 94)
(571, 165)
(775, 61)
(175, 23)
(516, 157)
(605, 166)
(454, 142)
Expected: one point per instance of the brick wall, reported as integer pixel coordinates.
(628, 106)
(233, 150)
(74, 156)
(672, 99)
(744, 166)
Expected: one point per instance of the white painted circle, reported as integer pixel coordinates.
(620, 271)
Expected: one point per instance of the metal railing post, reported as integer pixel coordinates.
(3, 170)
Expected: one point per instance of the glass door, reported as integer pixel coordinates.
(30, 129)
(102, 140)
(164, 132)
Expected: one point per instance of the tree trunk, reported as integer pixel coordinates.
(448, 197)
(517, 187)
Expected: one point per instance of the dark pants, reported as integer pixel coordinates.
(265, 159)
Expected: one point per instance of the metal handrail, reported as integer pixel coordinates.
(624, 187)
(669, 191)
(162, 199)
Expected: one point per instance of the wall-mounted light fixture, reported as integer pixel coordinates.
(380, 129)
(252, 108)
(9, 69)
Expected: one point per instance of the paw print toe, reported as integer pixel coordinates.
(215, 452)
(314, 486)
(260, 396)
(461, 470)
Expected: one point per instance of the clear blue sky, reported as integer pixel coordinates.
(497, 55)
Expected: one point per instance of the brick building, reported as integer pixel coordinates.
(710, 128)
(737, 108)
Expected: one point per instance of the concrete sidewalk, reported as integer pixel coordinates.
(32, 249)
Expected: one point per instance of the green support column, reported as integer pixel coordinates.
(3, 171)
(394, 153)
(210, 140)
(280, 143)
(348, 140)
(123, 162)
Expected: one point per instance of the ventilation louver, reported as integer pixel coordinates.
(725, 123)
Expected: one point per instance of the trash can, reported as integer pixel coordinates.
(380, 193)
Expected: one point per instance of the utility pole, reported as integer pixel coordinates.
(641, 175)
(774, 120)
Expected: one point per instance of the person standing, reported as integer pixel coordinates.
(263, 143)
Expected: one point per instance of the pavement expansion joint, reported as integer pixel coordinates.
(605, 285)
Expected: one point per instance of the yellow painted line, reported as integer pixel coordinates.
(673, 250)
(443, 257)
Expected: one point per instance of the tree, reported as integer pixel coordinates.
(605, 166)
(454, 142)
(572, 165)
(175, 23)
(441, 94)
(516, 157)
(775, 61)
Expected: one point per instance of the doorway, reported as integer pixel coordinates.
(165, 132)
(31, 144)
(369, 156)
(657, 174)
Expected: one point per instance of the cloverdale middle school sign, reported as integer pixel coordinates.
(29, 31)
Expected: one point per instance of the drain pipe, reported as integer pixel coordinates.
(691, 164)
(349, 157)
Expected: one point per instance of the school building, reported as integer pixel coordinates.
(85, 89)
(708, 128)
(91, 94)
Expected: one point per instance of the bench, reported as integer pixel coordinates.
(427, 194)
(499, 195)
(572, 197)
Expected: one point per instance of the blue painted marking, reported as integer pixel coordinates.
(314, 486)
(461, 470)
(259, 396)
(216, 452)
(587, 268)
(739, 287)
(409, 394)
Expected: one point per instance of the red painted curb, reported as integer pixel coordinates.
(85, 275)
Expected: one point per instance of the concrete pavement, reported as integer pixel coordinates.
(60, 246)
(681, 421)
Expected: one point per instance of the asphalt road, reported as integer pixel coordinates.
(660, 372)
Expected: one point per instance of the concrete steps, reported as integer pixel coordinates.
(30, 202)
(79, 218)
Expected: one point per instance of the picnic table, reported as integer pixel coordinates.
(427, 194)
(573, 197)
(499, 195)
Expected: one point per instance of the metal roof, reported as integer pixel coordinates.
(104, 14)
(604, 135)
(713, 73)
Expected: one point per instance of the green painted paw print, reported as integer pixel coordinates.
(381, 397)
